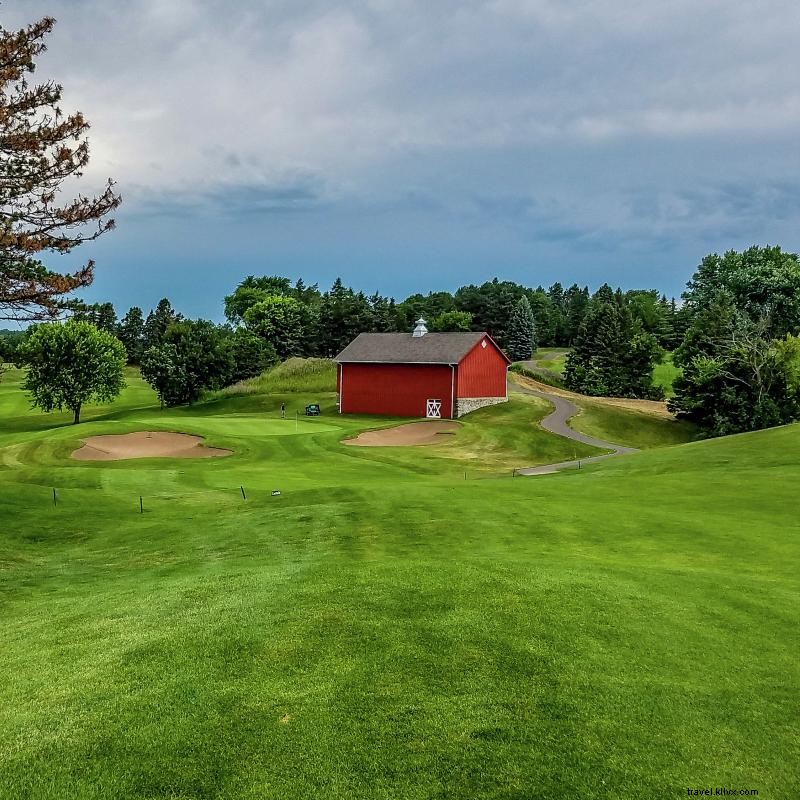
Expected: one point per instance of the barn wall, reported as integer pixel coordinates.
(399, 390)
(482, 373)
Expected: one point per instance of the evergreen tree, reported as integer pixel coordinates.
(651, 312)
(503, 299)
(521, 338)
(384, 317)
(558, 313)
(612, 355)
(101, 315)
(343, 314)
(43, 151)
(576, 304)
(157, 323)
(131, 333)
(543, 315)
(605, 294)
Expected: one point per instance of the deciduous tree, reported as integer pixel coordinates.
(735, 376)
(451, 321)
(762, 282)
(191, 358)
(250, 354)
(279, 321)
(72, 363)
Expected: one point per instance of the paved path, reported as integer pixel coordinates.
(535, 366)
(556, 422)
(541, 355)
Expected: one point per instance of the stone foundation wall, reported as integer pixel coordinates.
(466, 405)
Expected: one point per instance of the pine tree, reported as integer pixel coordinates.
(157, 323)
(521, 331)
(131, 333)
(41, 150)
(612, 355)
(343, 314)
(576, 302)
(558, 314)
(101, 315)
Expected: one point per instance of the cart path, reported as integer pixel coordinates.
(556, 422)
(534, 363)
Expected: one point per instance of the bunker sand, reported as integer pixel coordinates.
(145, 444)
(408, 435)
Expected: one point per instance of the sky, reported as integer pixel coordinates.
(411, 145)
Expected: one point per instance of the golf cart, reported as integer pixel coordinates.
(312, 410)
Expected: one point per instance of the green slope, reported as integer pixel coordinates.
(384, 628)
(665, 373)
(631, 428)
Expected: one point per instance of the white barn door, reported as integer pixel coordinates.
(433, 409)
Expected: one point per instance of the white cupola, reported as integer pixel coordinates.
(420, 330)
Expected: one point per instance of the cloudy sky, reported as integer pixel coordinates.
(415, 145)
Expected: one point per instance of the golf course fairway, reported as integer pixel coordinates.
(397, 622)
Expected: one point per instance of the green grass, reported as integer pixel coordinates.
(384, 628)
(631, 428)
(552, 359)
(541, 375)
(292, 375)
(508, 436)
(664, 374)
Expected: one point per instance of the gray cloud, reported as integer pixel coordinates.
(577, 123)
(334, 87)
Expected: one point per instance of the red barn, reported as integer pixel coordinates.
(420, 374)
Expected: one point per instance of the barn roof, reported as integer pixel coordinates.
(403, 348)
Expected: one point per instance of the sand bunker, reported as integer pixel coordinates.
(413, 433)
(146, 444)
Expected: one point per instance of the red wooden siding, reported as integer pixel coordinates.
(399, 390)
(482, 372)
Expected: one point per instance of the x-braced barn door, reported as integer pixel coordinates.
(433, 409)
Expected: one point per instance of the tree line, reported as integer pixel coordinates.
(299, 319)
(734, 336)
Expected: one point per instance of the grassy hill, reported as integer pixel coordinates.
(631, 428)
(292, 375)
(384, 628)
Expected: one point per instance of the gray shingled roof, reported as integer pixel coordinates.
(403, 348)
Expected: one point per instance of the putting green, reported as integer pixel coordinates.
(250, 425)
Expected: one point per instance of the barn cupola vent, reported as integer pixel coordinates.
(420, 330)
